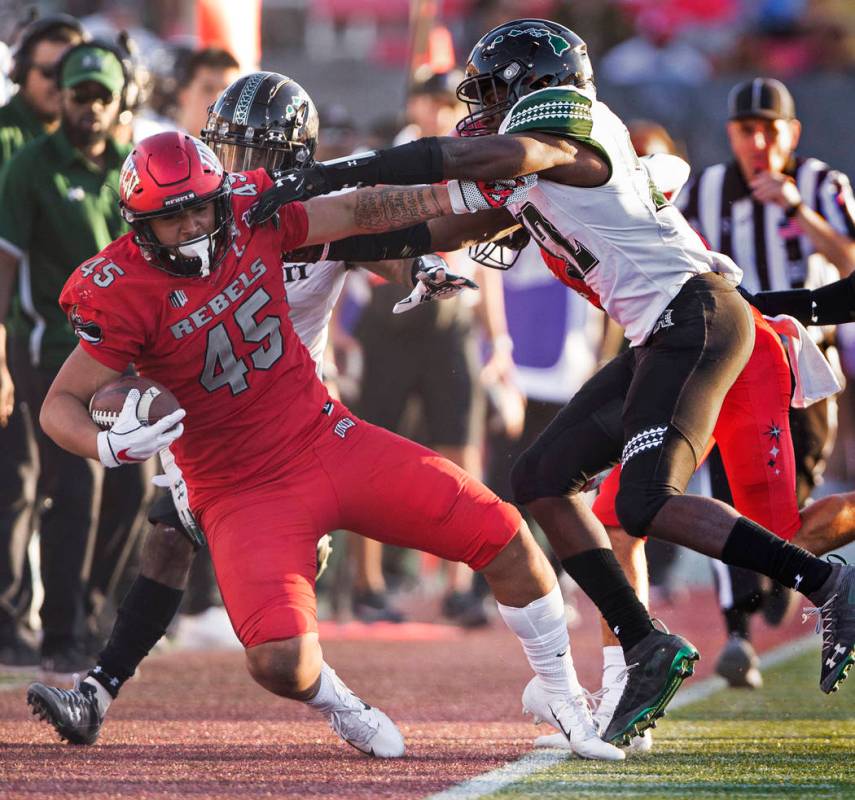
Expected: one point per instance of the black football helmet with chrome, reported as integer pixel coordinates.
(513, 60)
(263, 119)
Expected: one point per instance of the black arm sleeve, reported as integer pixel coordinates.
(405, 243)
(408, 164)
(833, 304)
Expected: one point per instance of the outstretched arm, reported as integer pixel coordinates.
(483, 158)
(833, 304)
(373, 211)
(443, 234)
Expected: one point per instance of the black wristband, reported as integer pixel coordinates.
(409, 164)
(793, 210)
(405, 243)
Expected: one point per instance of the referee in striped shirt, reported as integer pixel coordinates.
(789, 223)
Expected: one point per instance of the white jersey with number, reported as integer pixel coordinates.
(623, 240)
(313, 290)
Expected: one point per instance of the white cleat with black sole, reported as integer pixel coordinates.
(572, 717)
(364, 727)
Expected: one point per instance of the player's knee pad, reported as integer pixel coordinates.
(638, 502)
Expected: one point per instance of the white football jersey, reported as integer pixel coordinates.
(623, 240)
(313, 290)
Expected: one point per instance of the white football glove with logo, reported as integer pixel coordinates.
(433, 282)
(173, 479)
(467, 197)
(129, 441)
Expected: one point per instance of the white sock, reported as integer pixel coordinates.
(328, 697)
(613, 664)
(103, 697)
(542, 629)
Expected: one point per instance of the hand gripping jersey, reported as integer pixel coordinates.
(621, 244)
(223, 344)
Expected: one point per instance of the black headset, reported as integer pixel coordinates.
(118, 49)
(31, 34)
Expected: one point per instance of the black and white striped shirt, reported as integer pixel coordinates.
(770, 248)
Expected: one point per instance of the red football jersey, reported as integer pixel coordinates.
(223, 344)
(558, 267)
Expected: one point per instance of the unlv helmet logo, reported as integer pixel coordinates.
(129, 179)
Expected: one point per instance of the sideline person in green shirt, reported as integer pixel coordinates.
(31, 112)
(58, 196)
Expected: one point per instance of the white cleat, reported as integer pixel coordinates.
(557, 741)
(366, 728)
(572, 717)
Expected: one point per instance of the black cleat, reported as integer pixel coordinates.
(74, 713)
(658, 664)
(836, 622)
(739, 665)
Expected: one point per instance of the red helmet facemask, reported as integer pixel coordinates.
(167, 174)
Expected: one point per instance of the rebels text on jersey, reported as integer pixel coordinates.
(222, 344)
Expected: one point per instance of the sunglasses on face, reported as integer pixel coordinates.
(47, 71)
(86, 95)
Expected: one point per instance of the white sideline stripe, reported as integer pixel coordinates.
(490, 782)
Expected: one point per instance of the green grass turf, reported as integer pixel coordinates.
(786, 740)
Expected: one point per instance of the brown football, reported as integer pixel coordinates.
(156, 401)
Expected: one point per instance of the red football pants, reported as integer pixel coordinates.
(355, 477)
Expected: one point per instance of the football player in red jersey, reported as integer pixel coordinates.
(265, 484)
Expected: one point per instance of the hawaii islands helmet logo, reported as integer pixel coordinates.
(558, 43)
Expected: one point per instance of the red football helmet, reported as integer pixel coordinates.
(166, 174)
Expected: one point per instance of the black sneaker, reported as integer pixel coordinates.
(73, 712)
(374, 607)
(739, 665)
(466, 609)
(63, 663)
(17, 655)
(657, 666)
(836, 622)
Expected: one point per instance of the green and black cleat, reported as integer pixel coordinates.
(836, 622)
(658, 664)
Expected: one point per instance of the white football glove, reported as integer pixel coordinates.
(173, 479)
(129, 441)
(433, 282)
(467, 197)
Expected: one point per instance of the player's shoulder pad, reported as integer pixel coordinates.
(560, 109)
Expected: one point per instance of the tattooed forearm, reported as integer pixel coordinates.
(392, 207)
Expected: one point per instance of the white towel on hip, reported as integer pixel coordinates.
(815, 380)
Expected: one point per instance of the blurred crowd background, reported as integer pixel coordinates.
(383, 71)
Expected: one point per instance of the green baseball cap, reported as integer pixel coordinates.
(92, 64)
